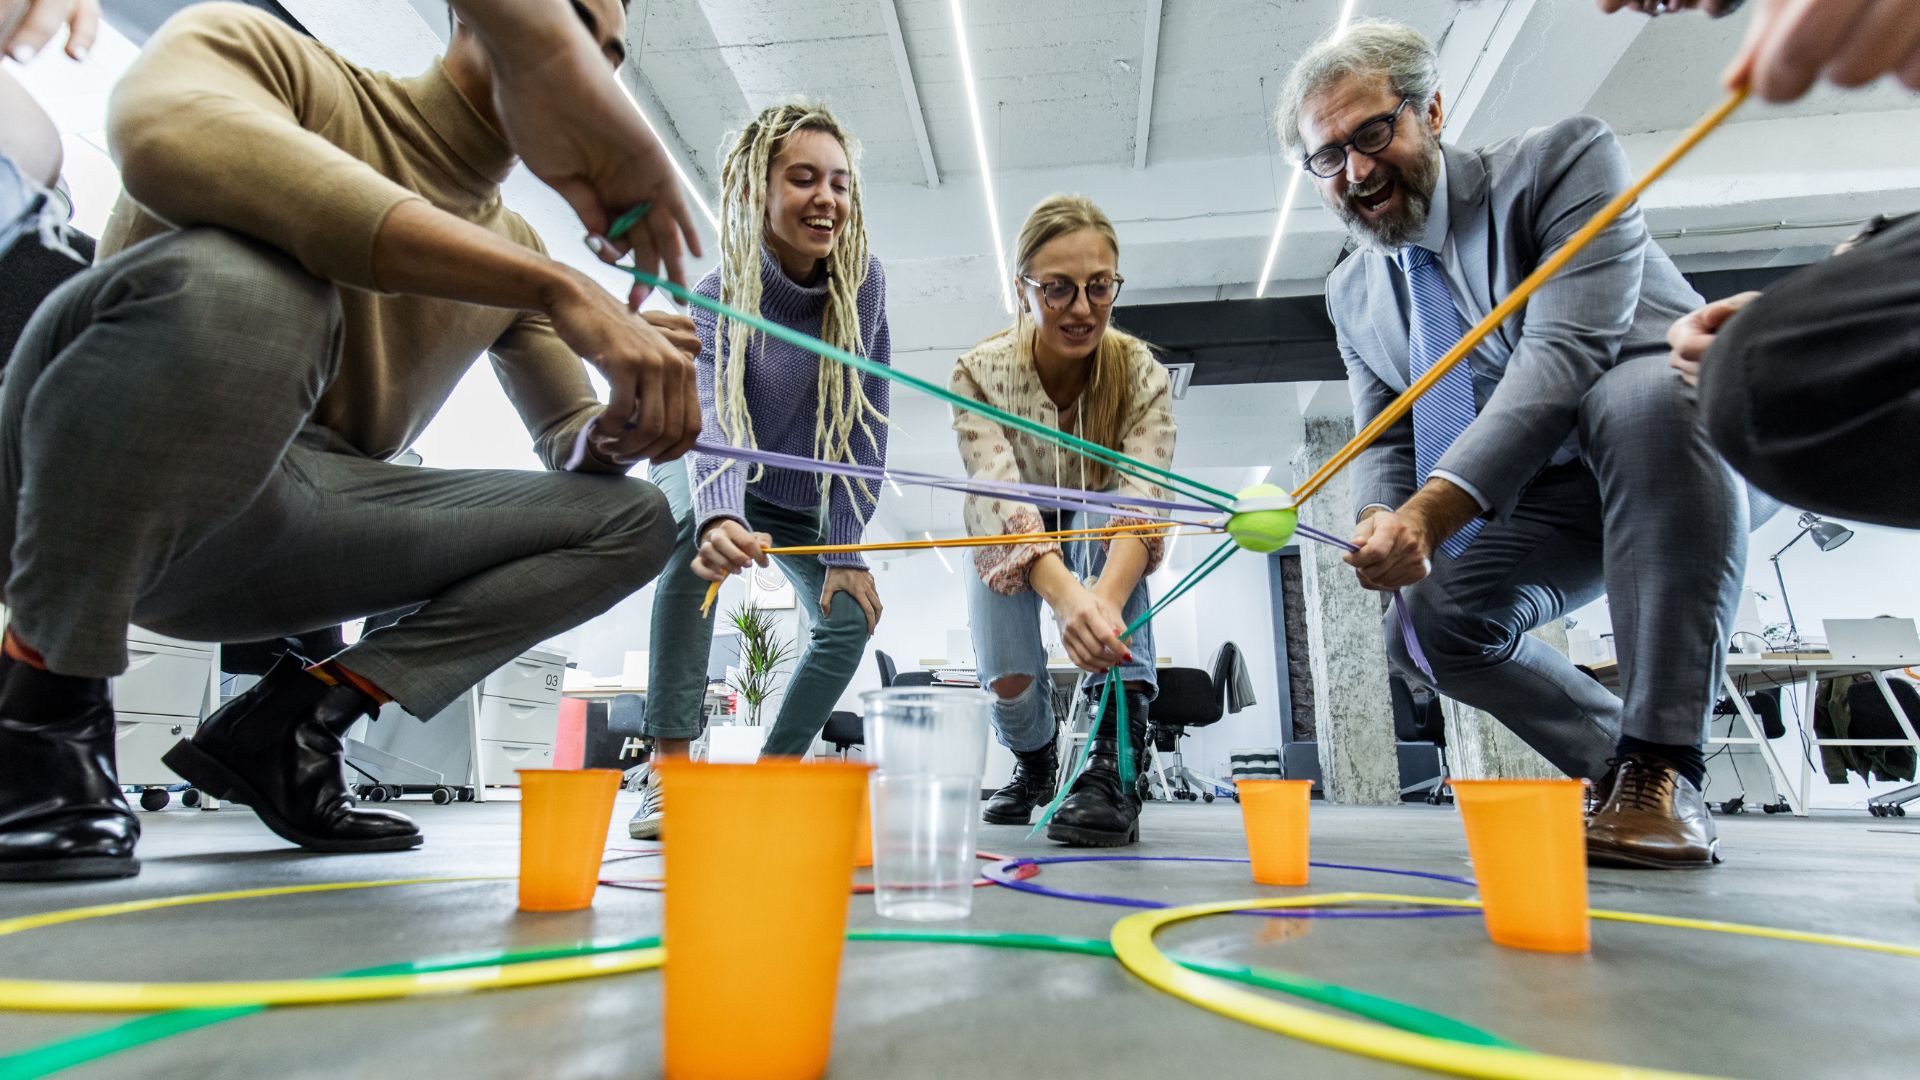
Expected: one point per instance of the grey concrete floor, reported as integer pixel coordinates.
(1678, 1000)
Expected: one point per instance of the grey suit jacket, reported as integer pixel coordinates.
(1510, 205)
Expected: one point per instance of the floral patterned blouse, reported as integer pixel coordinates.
(994, 372)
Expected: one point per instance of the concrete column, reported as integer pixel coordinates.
(1482, 748)
(1353, 709)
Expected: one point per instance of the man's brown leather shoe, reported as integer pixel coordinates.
(1599, 791)
(1653, 818)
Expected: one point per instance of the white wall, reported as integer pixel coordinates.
(1233, 604)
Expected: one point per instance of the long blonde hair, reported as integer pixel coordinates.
(1108, 400)
(841, 406)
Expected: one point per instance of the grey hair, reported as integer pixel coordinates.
(1369, 47)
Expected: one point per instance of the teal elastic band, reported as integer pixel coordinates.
(628, 220)
(1106, 455)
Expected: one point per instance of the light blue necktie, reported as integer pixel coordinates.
(1442, 413)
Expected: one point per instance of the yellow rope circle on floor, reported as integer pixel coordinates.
(73, 996)
(1133, 943)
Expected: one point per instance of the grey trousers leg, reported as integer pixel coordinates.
(161, 470)
(1654, 518)
(1813, 392)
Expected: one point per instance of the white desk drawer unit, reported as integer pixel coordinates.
(140, 739)
(499, 759)
(506, 720)
(157, 702)
(531, 676)
(163, 680)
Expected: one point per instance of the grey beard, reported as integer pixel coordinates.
(1387, 237)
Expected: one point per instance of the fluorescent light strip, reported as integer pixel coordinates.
(937, 551)
(895, 487)
(980, 151)
(1293, 185)
(666, 148)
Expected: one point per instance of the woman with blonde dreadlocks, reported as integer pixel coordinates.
(793, 249)
(1062, 364)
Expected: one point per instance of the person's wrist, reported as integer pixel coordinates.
(558, 286)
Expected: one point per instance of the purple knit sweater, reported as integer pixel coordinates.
(782, 391)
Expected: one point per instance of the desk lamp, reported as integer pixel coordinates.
(1828, 536)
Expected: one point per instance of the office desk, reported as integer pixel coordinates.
(1763, 673)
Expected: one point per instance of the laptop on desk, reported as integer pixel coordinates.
(1873, 640)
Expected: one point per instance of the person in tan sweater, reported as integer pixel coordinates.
(195, 434)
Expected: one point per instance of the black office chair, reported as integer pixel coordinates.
(1189, 698)
(845, 730)
(888, 672)
(913, 678)
(1415, 722)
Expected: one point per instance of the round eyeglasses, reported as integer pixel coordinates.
(1059, 293)
(1372, 137)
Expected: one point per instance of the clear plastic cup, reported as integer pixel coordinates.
(929, 750)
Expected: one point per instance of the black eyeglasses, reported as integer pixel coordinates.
(1059, 293)
(1374, 136)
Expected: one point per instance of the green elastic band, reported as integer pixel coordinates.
(1214, 560)
(1103, 454)
(53, 1057)
(628, 220)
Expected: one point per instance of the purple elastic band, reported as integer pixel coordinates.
(1400, 611)
(1101, 499)
(1001, 873)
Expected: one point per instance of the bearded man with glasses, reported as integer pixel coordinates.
(1561, 460)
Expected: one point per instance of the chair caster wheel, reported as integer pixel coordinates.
(442, 795)
(153, 798)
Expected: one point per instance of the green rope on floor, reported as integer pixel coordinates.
(52, 1057)
(1140, 470)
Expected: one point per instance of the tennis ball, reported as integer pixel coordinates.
(1263, 530)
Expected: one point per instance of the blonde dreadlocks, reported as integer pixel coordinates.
(841, 406)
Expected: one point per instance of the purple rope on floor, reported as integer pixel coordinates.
(1002, 873)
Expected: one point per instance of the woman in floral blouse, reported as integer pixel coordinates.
(1061, 364)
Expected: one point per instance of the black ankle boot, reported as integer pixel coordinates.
(1099, 811)
(280, 748)
(1031, 786)
(62, 816)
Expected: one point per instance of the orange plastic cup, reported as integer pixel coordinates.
(1274, 813)
(863, 831)
(1528, 843)
(563, 833)
(759, 869)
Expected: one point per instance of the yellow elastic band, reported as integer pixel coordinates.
(1134, 945)
(74, 996)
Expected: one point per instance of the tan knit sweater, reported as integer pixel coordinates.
(995, 372)
(231, 118)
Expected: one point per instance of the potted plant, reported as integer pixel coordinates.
(764, 654)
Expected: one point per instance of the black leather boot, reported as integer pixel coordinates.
(62, 816)
(1099, 811)
(1030, 786)
(280, 748)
